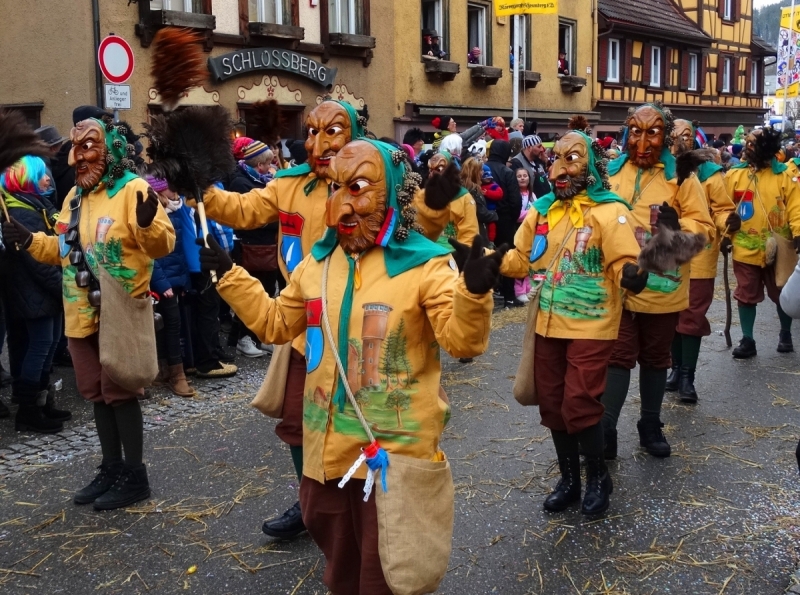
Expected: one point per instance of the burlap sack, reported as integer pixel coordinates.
(415, 524)
(785, 259)
(524, 387)
(269, 398)
(127, 335)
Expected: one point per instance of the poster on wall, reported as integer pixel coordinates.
(789, 52)
(504, 8)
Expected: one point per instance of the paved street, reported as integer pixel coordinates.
(721, 516)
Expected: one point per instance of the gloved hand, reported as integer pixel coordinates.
(733, 222)
(632, 279)
(442, 188)
(668, 217)
(797, 245)
(16, 233)
(481, 272)
(460, 253)
(146, 209)
(214, 258)
(725, 246)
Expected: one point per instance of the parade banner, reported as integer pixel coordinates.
(504, 8)
(789, 52)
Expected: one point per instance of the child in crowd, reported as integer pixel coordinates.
(493, 194)
(523, 286)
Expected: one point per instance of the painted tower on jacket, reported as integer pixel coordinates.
(373, 332)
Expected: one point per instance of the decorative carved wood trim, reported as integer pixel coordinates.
(270, 87)
(195, 96)
(341, 92)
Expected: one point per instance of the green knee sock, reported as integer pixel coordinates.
(677, 350)
(786, 320)
(691, 350)
(297, 459)
(652, 382)
(617, 382)
(747, 318)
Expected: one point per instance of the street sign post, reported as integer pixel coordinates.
(115, 57)
(118, 97)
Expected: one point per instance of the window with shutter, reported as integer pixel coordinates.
(602, 59)
(721, 8)
(647, 59)
(720, 69)
(684, 78)
(666, 68)
(748, 72)
(737, 10)
(628, 61)
(701, 72)
(693, 75)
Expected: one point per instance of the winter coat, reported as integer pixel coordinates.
(720, 205)
(33, 289)
(511, 204)
(267, 235)
(458, 220)
(172, 271)
(63, 173)
(482, 211)
(397, 327)
(111, 238)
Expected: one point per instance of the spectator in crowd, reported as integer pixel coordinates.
(444, 125)
(33, 301)
(471, 173)
(51, 137)
(496, 128)
(507, 209)
(736, 154)
(493, 194)
(532, 158)
(430, 45)
(297, 150)
(256, 249)
(516, 125)
(452, 144)
(170, 281)
(563, 63)
(474, 55)
(416, 139)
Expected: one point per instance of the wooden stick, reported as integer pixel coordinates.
(8, 217)
(727, 283)
(201, 212)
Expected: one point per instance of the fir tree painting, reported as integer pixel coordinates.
(398, 401)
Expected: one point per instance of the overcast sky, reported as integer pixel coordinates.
(760, 3)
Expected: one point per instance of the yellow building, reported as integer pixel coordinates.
(368, 52)
(699, 57)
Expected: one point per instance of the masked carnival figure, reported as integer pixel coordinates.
(376, 301)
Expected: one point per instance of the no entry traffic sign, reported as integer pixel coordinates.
(115, 57)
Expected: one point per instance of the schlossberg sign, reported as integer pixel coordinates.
(246, 61)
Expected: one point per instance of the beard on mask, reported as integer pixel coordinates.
(90, 178)
(574, 185)
(369, 227)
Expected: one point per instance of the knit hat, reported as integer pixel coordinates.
(605, 142)
(441, 122)
(157, 184)
(84, 112)
(736, 149)
(486, 172)
(532, 140)
(254, 149)
(238, 147)
(297, 149)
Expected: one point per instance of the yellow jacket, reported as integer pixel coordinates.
(766, 201)
(580, 297)
(646, 190)
(720, 205)
(111, 238)
(458, 220)
(396, 327)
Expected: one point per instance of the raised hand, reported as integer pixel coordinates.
(16, 233)
(668, 217)
(442, 188)
(214, 258)
(146, 209)
(482, 272)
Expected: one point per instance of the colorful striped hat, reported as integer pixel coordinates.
(254, 149)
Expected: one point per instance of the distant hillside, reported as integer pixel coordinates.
(767, 22)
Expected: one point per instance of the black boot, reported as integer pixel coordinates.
(131, 487)
(746, 349)
(652, 439)
(568, 489)
(4, 411)
(673, 377)
(49, 410)
(609, 443)
(289, 524)
(5, 377)
(106, 477)
(30, 417)
(785, 342)
(686, 389)
(598, 487)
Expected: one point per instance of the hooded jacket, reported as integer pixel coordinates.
(33, 289)
(511, 204)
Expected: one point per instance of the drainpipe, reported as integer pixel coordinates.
(98, 76)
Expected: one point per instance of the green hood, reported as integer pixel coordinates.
(777, 166)
(596, 191)
(666, 158)
(118, 152)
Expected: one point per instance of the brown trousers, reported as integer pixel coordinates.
(644, 338)
(751, 280)
(346, 530)
(570, 377)
(693, 321)
(290, 428)
(93, 382)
